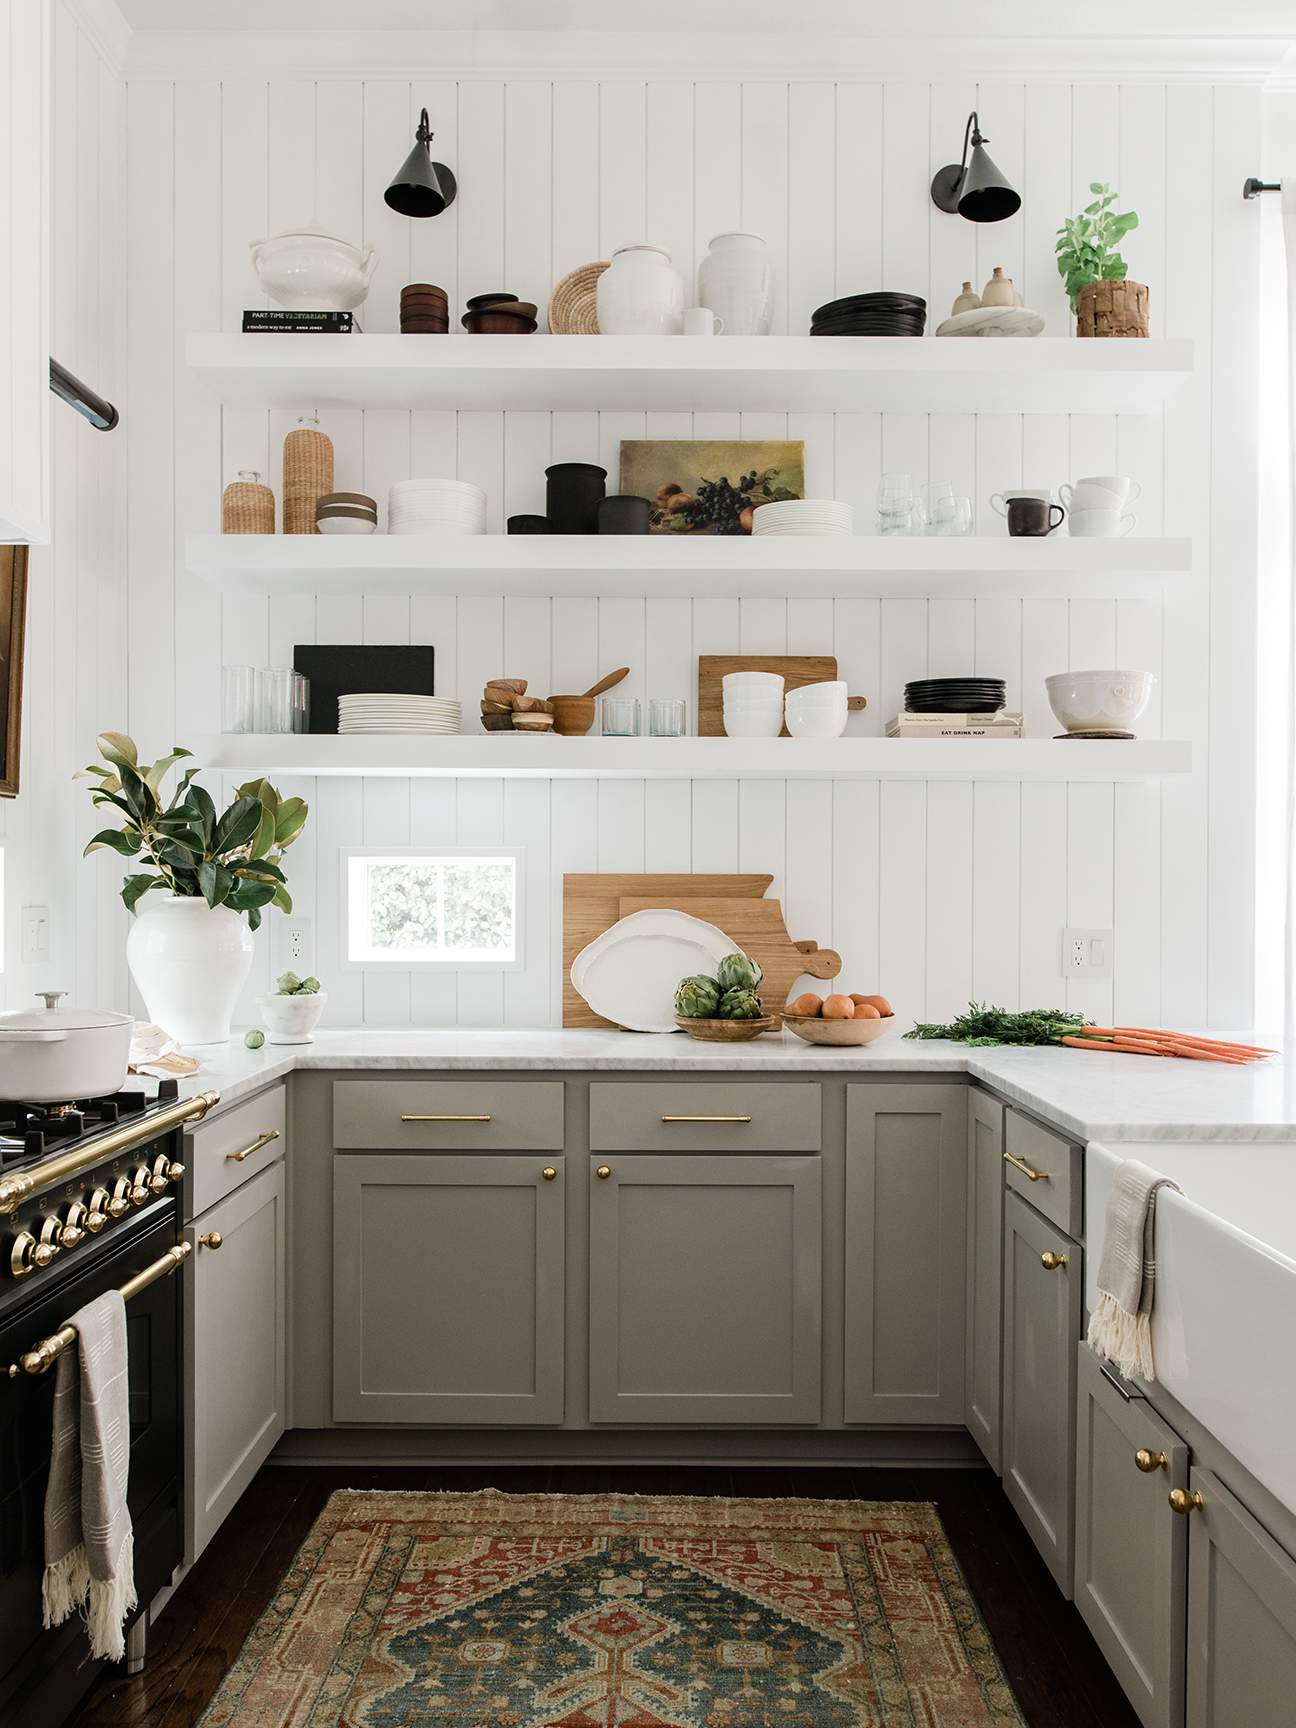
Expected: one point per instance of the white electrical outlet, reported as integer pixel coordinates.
(35, 935)
(1087, 953)
(296, 946)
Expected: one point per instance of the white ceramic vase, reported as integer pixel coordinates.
(190, 961)
(291, 1019)
(736, 280)
(640, 295)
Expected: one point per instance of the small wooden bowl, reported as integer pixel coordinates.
(726, 1031)
(531, 722)
(573, 715)
(497, 722)
(816, 1030)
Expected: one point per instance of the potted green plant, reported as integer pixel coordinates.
(1094, 273)
(190, 947)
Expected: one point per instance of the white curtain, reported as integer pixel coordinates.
(1284, 607)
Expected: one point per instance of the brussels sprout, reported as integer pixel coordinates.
(737, 972)
(308, 987)
(740, 1005)
(254, 1039)
(289, 984)
(697, 998)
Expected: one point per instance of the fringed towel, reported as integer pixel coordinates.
(1120, 1328)
(89, 1543)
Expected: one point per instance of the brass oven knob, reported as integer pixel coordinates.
(1150, 1462)
(100, 1211)
(142, 1183)
(164, 1171)
(123, 1194)
(1184, 1500)
(52, 1233)
(27, 1254)
(74, 1225)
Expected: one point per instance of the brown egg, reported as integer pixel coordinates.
(807, 1004)
(866, 1011)
(856, 998)
(881, 1004)
(839, 1008)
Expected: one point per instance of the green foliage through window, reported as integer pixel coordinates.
(428, 909)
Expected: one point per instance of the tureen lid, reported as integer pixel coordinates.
(50, 1017)
(308, 230)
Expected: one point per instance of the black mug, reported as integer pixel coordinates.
(623, 513)
(1032, 517)
(528, 524)
(573, 493)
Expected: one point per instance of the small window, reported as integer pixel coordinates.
(452, 907)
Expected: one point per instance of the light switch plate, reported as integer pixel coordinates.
(35, 948)
(1087, 953)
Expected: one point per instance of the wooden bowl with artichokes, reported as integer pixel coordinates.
(725, 1009)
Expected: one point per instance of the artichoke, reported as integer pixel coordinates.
(740, 1004)
(737, 972)
(697, 998)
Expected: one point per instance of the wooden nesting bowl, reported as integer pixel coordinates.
(573, 715)
(816, 1030)
(726, 1031)
(497, 722)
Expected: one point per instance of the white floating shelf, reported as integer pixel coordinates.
(1045, 375)
(549, 758)
(577, 565)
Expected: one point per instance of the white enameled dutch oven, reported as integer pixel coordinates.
(53, 1055)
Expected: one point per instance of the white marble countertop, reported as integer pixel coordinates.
(1092, 1096)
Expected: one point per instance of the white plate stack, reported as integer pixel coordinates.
(436, 507)
(804, 516)
(377, 711)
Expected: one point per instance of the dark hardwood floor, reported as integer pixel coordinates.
(1052, 1663)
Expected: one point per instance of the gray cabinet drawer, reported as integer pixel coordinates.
(448, 1115)
(1046, 1170)
(227, 1148)
(742, 1116)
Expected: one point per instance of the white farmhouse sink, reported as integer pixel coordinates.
(1224, 1324)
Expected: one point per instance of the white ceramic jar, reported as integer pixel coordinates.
(640, 295)
(736, 280)
(310, 270)
(190, 961)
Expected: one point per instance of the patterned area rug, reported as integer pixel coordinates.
(596, 1611)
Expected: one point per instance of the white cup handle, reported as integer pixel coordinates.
(997, 503)
(719, 326)
(1124, 530)
(1065, 494)
(1135, 493)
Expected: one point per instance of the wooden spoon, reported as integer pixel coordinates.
(607, 683)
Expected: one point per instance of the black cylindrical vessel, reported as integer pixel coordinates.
(623, 513)
(572, 497)
(528, 524)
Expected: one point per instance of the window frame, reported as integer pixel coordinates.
(387, 968)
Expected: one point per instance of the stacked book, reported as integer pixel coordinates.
(999, 725)
(312, 323)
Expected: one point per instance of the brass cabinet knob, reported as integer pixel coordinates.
(212, 1239)
(1051, 1262)
(603, 1171)
(548, 1172)
(1150, 1462)
(1185, 1500)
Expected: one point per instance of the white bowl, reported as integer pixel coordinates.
(291, 1019)
(822, 723)
(347, 525)
(1099, 524)
(753, 725)
(1088, 701)
(733, 681)
(829, 687)
(753, 710)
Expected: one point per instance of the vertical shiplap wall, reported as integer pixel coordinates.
(934, 893)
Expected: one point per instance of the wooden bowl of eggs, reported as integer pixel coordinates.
(839, 1020)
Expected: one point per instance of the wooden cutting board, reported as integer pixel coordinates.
(796, 670)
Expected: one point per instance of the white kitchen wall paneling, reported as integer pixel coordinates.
(931, 893)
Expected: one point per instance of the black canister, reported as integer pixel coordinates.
(528, 524)
(623, 513)
(573, 495)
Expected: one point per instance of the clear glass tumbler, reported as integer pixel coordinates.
(276, 703)
(238, 698)
(667, 716)
(301, 703)
(620, 716)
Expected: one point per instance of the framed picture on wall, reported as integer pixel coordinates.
(13, 617)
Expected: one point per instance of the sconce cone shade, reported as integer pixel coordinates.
(422, 187)
(980, 192)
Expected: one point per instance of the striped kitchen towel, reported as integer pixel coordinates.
(1120, 1328)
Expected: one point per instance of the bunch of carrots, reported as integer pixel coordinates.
(1140, 1041)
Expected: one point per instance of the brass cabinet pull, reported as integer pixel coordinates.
(706, 1118)
(265, 1139)
(1185, 1500)
(1024, 1167)
(1050, 1262)
(548, 1172)
(603, 1171)
(1150, 1462)
(212, 1239)
(445, 1118)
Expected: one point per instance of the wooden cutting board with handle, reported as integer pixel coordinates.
(795, 669)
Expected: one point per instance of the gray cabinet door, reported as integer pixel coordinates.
(704, 1289)
(1241, 1617)
(1042, 1311)
(983, 1378)
(234, 1372)
(1131, 1547)
(906, 1231)
(447, 1289)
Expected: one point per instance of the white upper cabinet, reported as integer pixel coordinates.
(24, 273)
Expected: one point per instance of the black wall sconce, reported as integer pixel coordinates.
(976, 189)
(422, 187)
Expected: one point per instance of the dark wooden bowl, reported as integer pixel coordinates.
(497, 722)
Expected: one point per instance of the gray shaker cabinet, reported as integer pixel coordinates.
(1043, 1291)
(983, 1380)
(704, 1289)
(448, 1289)
(1131, 1547)
(906, 1232)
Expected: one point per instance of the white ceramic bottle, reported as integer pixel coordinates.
(736, 280)
(640, 295)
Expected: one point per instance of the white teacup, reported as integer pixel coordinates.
(1085, 495)
(1127, 491)
(999, 500)
(702, 321)
(1099, 524)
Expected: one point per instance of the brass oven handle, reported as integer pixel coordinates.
(445, 1118)
(265, 1139)
(1024, 1167)
(706, 1118)
(46, 1353)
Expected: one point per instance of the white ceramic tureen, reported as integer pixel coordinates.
(311, 270)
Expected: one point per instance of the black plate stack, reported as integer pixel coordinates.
(871, 315)
(955, 696)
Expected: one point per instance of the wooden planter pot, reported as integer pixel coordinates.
(1112, 309)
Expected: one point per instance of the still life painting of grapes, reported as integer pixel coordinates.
(710, 485)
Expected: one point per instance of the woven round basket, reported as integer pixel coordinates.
(248, 507)
(572, 307)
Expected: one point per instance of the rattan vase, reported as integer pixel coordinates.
(1112, 309)
(247, 506)
(307, 476)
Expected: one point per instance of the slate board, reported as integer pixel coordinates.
(348, 669)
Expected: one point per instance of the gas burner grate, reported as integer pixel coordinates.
(29, 1130)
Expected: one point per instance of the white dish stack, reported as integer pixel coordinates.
(379, 711)
(753, 704)
(436, 507)
(816, 710)
(804, 516)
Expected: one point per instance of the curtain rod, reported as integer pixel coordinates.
(101, 415)
(1253, 188)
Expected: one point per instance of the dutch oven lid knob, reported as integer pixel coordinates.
(51, 998)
